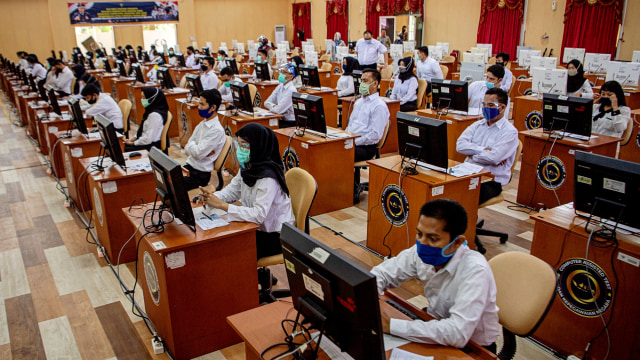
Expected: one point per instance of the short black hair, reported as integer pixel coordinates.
(424, 50)
(89, 90)
(614, 87)
(190, 48)
(496, 70)
(213, 97)
(374, 73)
(504, 56)
(503, 97)
(367, 32)
(451, 212)
(32, 58)
(226, 71)
(58, 62)
(210, 60)
(222, 52)
(263, 51)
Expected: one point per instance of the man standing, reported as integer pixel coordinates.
(384, 39)
(368, 50)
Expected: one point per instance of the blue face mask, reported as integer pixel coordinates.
(205, 113)
(344, 67)
(367, 41)
(490, 113)
(489, 85)
(432, 255)
(243, 155)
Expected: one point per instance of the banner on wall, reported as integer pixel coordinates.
(112, 13)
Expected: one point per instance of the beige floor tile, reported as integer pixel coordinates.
(216, 355)
(4, 328)
(128, 279)
(506, 211)
(13, 274)
(58, 339)
(64, 272)
(10, 176)
(96, 282)
(527, 235)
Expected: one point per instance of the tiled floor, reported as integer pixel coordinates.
(60, 300)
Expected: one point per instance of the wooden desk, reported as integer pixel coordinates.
(42, 120)
(264, 91)
(542, 179)
(330, 103)
(190, 303)
(456, 124)
(188, 119)
(631, 151)
(172, 95)
(394, 107)
(520, 87)
(246, 68)
(134, 90)
(386, 87)
(23, 98)
(178, 72)
(518, 72)
(33, 108)
(106, 82)
(329, 78)
(329, 161)
(120, 88)
(50, 140)
(402, 202)
(527, 114)
(452, 66)
(559, 239)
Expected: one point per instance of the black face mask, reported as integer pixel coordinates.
(58, 71)
(204, 67)
(605, 101)
(501, 64)
(92, 101)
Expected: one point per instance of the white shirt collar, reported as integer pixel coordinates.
(212, 121)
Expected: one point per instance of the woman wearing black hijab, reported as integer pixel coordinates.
(156, 110)
(260, 187)
(577, 84)
(82, 79)
(405, 87)
(345, 84)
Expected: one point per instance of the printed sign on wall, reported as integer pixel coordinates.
(111, 13)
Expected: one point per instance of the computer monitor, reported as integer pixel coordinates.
(524, 59)
(573, 53)
(170, 187)
(241, 96)
(194, 83)
(309, 75)
(92, 65)
(74, 58)
(32, 84)
(206, 51)
(309, 113)
(231, 63)
(138, 72)
(76, 115)
(357, 78)
(596, 63)
(42, 91)
(53, 101)
(474, 58)
(121, 68)
(450, 94)
(262, 70)
(544, 62)
(423, 140)
(180, 59)
(471, 72)
(549, 81)
(107, 65)
(436, 52)
(626, 73)
(568, 114)
(109, 143)
(608, 188)
(164, 76)
(24, 77)
(333, 294)
(489, 48)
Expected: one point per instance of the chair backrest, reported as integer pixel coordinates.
(449, 58)
(326, 66)
(383, 139)
(515, 160)
(445, 71)
(626, 135)
(407, 54)
(422, 88)
(183, 82)
(387, 72)
(325, 57)
(302, 190)
(125, 108)
(492, 60)
(239, 59)
(253, 90)
(222, 156)
(526, 288)
(164, 138)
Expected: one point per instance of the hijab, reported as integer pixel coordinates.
(157, 103)
(352, 64)
(79, 70)
(408, 62)
(264, 156)
(575, 82)
(298, 60)
(337, 38)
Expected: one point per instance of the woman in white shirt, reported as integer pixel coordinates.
(280, 101)
(297, 62)
(37, 70)
(156, 110)
(222, 56)
(260, 187)
(577, 84)
(610, 112)
(405, 87)
(345, 84)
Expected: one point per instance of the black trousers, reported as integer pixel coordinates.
(128, 148)
(369, 66)
(267, 244)
(409, 106)
(489, 189)
(196, 178)
(362, 153)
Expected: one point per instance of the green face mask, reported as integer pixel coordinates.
(219, 58)
(144, 102)
(227, 84)
(258, 58)
(243, 155)
(282, 79)
(364, 89)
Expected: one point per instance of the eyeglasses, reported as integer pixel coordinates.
(490, 105)
(239, 142)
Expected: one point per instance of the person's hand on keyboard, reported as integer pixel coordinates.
(386, 320)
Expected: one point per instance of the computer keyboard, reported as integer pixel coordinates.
(402, 309)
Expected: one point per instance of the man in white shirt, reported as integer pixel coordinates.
(491, 142)
(205, 143)
(62, 79)
(459, 283)
(503, 60)
(190, 61)
(477, 89)
(209, 78)
(226, 76)
(280, 101)
(222, 56)
(102, 104)
(368, 50)
(427, 68)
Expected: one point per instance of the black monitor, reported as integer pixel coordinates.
(206, 51)
(333, 294)
(42, 91)
(164, 76)
(32, 83)
(357, 77)
(424, 140)
(241, 96)
(138, 72)
(568, 114)
(61, 55)
(170, 187)
(181, 62)
(262, 71)
(53, 101)
(608, 188)
(76, 116)
(449, 95)
(232, 64)
(110, 143)
(107, 65)
(81, 59)
(309, 75)
(121, 68)
(92, 66)
(24, 77)
(53, 54)
(75, 58)
(144, 56)
(194, 83)
(309, 113)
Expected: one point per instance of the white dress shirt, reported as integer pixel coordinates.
(585, 89)
(208, 136)
(209, 80)
(462, 298)
(345, 86)
(225, 92)
(501, 137)
(190, 61)
(107, 107)
(507, 80)
(611, 125)
(24, 64)
(221, 64)
(151, 130)
(368, 119)
(280, 101)
(39, 71)
(368, 52)
(405, 91)
(264, 204)
(429, 69)
(173, 60)
(62, 82)
(476, 92)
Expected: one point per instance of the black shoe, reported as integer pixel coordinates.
(274, 280)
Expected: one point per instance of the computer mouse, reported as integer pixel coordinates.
(196, 199)
(134, 154)
(94, 130)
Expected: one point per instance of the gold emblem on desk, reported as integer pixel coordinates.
(584, 287)
(551, 172)
(152, 278)
(395, 205)
(534, 120)
(290, 159)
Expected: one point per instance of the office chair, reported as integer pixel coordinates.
(492, 60)
(445, 71)
(449, 59)
(219, 163)
(325, 57)
(359, 187)
(302, 191)
(386, 73)
(326, 66)
(408, 54)
(494, 200)
(253, 93)
(422, 89)
(626, 135)
(164, 138)
(183, 82)
(125, 108)
(525, 291)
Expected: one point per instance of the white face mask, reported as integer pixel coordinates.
(572, 72)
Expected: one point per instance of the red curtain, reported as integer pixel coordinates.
(405, 6)
(580, 32)
(500, 22)
(301, 20)
(375, 9)
(338, 19)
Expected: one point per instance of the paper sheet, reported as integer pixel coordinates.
(465, 169)
(399, 354)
